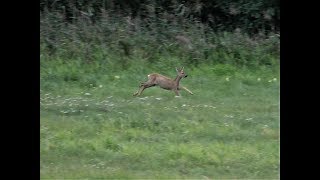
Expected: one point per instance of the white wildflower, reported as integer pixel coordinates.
(100, 86)
(87, 94)
(274, 79)
(117, 77)
(259, 79)
(227, 78)
(158, 98)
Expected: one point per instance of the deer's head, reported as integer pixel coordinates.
(181, 73)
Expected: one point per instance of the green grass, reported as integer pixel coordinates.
(92, 126)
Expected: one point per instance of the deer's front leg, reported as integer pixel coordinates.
(176, 91)
(182, 87)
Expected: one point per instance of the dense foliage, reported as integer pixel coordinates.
(116, 32)
(250, 15)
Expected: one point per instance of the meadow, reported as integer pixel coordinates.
(93, 128)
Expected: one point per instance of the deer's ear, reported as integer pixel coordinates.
(177, 69)
(182, 68)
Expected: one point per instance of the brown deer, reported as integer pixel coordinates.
(164, 82)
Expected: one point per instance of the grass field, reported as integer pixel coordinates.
(92, 126)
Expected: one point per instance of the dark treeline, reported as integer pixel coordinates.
(251, 16)
(240, 32)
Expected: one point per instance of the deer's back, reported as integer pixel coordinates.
(161, 80)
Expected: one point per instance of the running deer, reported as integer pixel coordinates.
(164, 82)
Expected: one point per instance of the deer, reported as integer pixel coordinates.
(164, 82)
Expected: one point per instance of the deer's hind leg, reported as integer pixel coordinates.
(143, 86)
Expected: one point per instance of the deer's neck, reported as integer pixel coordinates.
(177, 80)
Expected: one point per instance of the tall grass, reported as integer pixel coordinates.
(119, 42)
